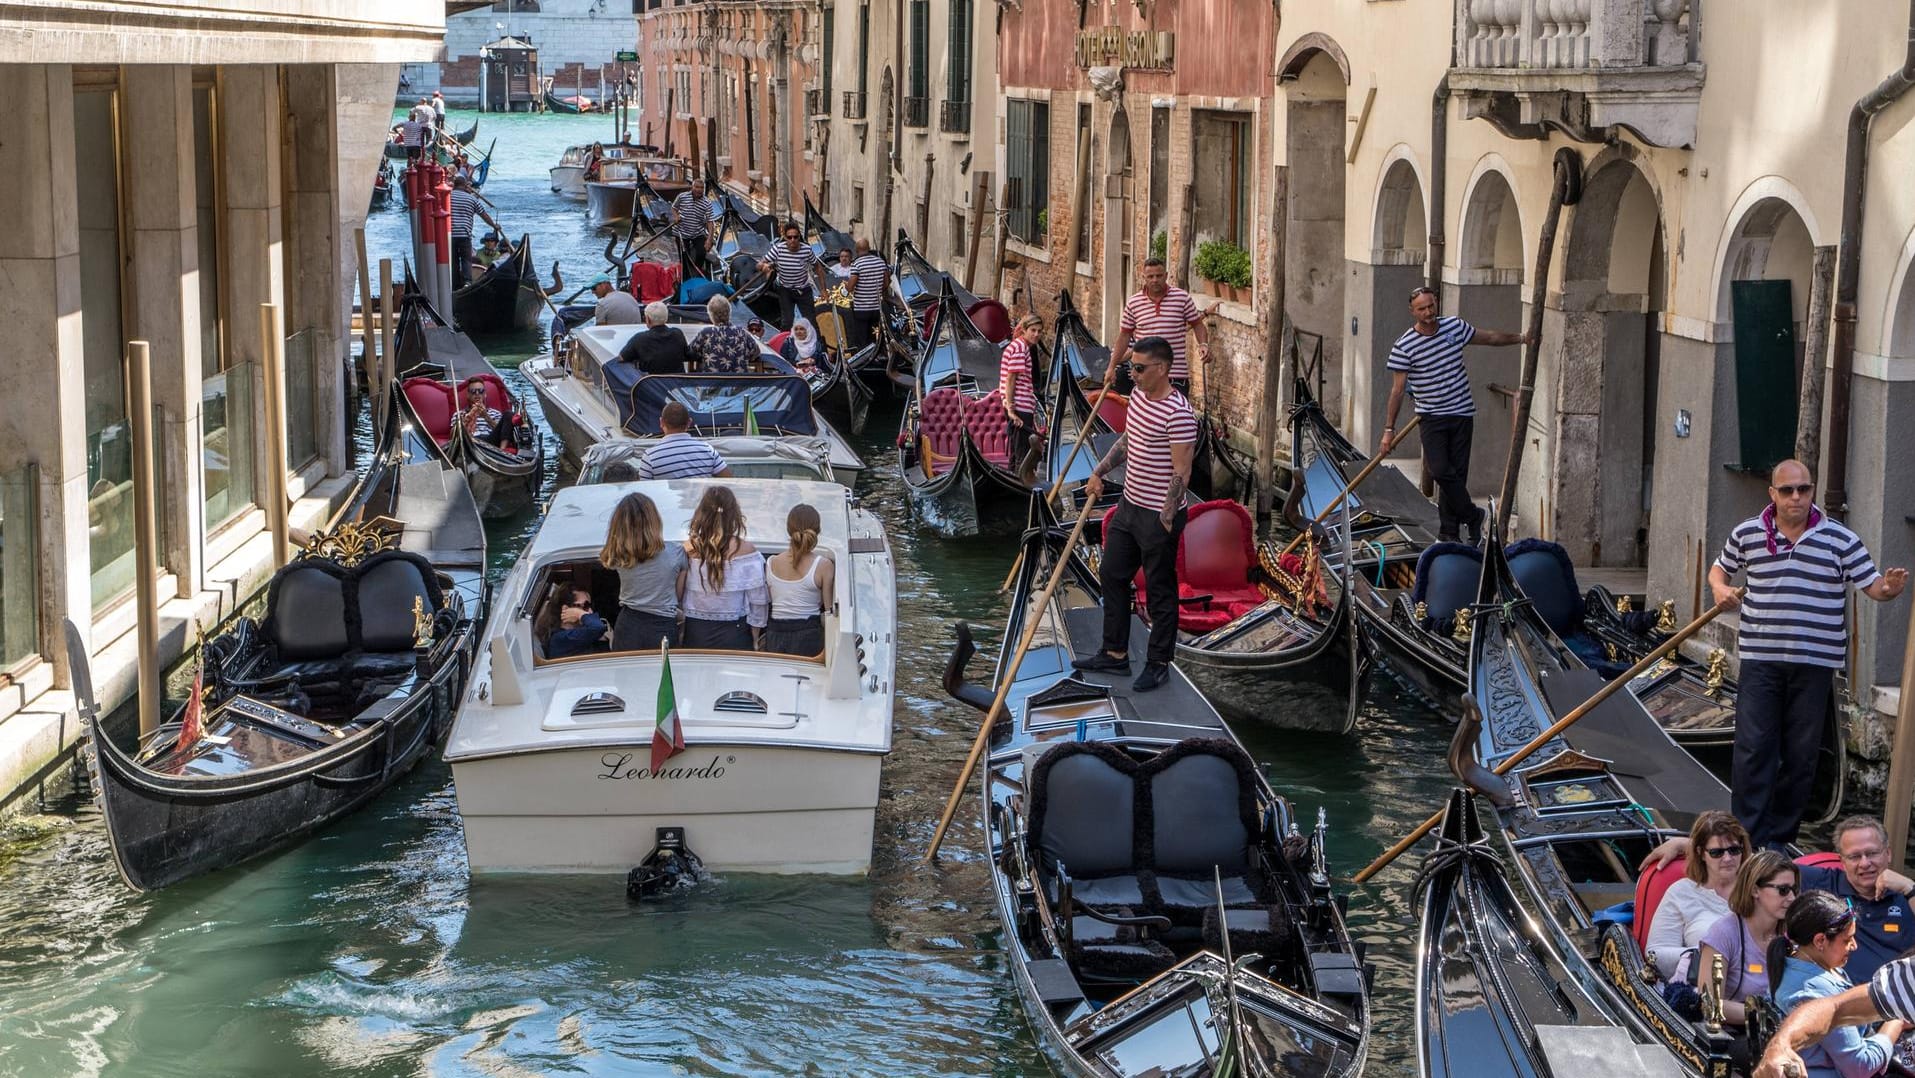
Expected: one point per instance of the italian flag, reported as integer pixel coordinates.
(751, 418)
(668, 738)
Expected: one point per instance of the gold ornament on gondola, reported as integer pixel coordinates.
(1713, 1013)
(1666, 616)
(838, 295)
(1718, 671)
(421, 623)
(354, 541)
(1422, 612)
(1461, 633)
(1624, 604)
(1609, 650)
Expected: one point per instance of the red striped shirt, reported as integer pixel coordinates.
(1017, 360)
(1150, 429)
(1168, 318)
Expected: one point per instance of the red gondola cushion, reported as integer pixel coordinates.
(989, 428)
(777, 342)
(1649, 891)
(431, 401)
(653, 282)
(992, 319)
(1224, 550)
(1114, 409)
(496, 396)
(940, 426)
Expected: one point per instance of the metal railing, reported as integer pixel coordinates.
(955, 116)
(917, 111)
(854, 104)
(815, 102)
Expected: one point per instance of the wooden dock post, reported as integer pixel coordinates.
(273, 344)
(146, 532)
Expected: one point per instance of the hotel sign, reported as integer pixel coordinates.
(1113, 46)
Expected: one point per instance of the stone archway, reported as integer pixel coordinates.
(1117, 262)
(1315, 88)
(1762, 298)
(1488, 292)
(1398, 244)
(1601, 394)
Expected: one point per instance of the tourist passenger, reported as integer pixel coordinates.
(1792, 638)
(724, 348)
(1889, 994)
(1159, 441)
(1428, 360)
(726, 602)
(656, 349)
(1805, 963)
(465, 206)
(841, 269)
(651, 575)
(1159, 310)
(679, 455)
(868, 277)
(488, 251)
(1878, 895)
(1692, 905)
(1764, 887)
(482, 422)
(792, 266)
(800, 348)
(800, 584)
(567, 626)
(615, 308)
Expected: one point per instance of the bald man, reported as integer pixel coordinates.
(1792, 638)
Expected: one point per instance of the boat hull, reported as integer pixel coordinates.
(609, 205)
(506, 298)
(1242, 684)
(744, 808)
(568, 180)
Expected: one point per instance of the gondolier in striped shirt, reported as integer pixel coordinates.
(691, 223)
(1889, 994)
(1159, 441)
(1158, 310)
(1428, 360)
(792, 266)
(869, 275)
(1792, 638)
(465, 206)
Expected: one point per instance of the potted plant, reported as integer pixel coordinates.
(1236, 270)
(1043, 225)
(1159, 245)
(1208, 265)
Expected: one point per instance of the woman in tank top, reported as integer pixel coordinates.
(725, 601)
(651, 576)
(800, 582)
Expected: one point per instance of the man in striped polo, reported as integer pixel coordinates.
(1159, 440)
(1792, 638)
(691, 223)
(1428, 360)
(465, 206)
(1158, 310)
(792, 265)
(869, 275)
(679, 455)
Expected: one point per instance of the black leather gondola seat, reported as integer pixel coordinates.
(328, 619)
(1203, 823)
(1548, 578)
(385, 586)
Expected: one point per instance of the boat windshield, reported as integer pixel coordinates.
(1179, 1037)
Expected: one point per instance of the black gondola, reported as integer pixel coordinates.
(506, 298)
(1114, 827)
(348, 681)
(438, 365)
(571, 106)
(399, 151)
(830, 241)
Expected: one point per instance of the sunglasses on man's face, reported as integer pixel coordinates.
(1792, 489)
(1718, 852)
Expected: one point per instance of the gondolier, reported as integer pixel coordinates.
(1159, 440)
(691, 223)
(1428, 360)
(1792, 638)
(1158, 310)
(869, 276)
(792, 266)
(465, 205)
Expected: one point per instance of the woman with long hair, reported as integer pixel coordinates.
(1764, 888)
(1805, 962)
(566, 625)
(726, 602)
(1693, 904)
(651, 575)
(800, 584)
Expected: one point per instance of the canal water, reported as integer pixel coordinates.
(369, 951)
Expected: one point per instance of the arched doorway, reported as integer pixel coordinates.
(1313, 256)
(1117, 263)
(1488, 291)
(1594, 496)
(1398, 248)
(1762, 310)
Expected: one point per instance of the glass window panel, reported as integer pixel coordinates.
(19, 565)
(302, 399)
(109, 456)
(226, 395)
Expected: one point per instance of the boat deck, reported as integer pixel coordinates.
(1137, 712)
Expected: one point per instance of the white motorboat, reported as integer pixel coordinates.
(779, 774)
(589, 396)
(568, 176)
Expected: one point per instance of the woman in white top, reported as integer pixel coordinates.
(800, 583)
(1717, 847)
(725, 602)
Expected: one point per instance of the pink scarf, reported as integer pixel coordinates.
(1768, 524)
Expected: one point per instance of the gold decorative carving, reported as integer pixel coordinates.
(354, 541)
(421, 623)
(1609, 650)
(1624, 604)
(1422, 612)
(1712, 1011)
(1718, 671)
(1461, 633)
(1631, 990)
(1666, 617)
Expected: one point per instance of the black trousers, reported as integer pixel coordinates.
(691, 251)
(796, 636)
(636, 630)
(461, 260)
(795, 299)
(1135, 538)
(1781, 711)
(732, 635)
(1446, 445)
(861, 329)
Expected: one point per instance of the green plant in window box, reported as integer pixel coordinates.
(1043, 224)
(1159, 244)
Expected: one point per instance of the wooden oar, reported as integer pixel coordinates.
(1350, 486)
(1034, 616)
(1558, 727)
(1057, 484)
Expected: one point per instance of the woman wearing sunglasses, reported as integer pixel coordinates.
(1805, 962)
(567, 626)
(1763, 890)
(1693, 904)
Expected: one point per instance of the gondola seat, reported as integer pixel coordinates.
(1548, 578)
(777, 341)
(1650, 887)
(340, 625)
(991, 319)
(830, 329)
(654, 283)
(940, 430)
(433, 402)
(1214, 558)
(989, 428)
(1447, 575)
(1203, 821)
(1114, 409)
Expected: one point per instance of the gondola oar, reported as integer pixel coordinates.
(1559, 726)
(1057, 483)
(1350, 486)
(1033, 618)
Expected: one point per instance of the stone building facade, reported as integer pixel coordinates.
(165, 202)
(578, 43)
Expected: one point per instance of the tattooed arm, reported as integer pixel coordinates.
(1181, 456)
(1095, 485)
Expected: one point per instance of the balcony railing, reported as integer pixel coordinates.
(815, 102)
(854, 104)
(917, 111)
(1577, 34)
(955, 117)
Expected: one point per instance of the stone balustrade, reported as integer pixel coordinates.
(1576, 34)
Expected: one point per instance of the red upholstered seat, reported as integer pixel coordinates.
(496, 396)
(1114, 409)
(653, 282)
(989, 428)
(1649, 891)
(991, 319)
(1824, 859)
(940, 427)
(778, 342)
(1214, 557)
(431, 401)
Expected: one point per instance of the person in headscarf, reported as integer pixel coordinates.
(801, 345)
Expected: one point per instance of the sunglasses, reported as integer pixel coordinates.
(1719, 852)
(1786, 890)
(586, 605)
(1423, 290)
(1840, 922)
(1793, 489)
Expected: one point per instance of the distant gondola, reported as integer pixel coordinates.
(573, 105)
(1133, 845)
(506, 297)
(350, 680)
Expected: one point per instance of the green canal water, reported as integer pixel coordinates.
(369, 951)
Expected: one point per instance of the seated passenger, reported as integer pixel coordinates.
(1693, 904)
(483, 423)
(567, 626)
(800, 583)
(651, 575)
(1805, 962)
(679, 454)
(656, 349)
(801, 346)
(726, 604)
(1764, 888)
(724, 348)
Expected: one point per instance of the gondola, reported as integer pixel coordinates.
(350, 679)
(829, 242)
(506, 298)
(382, 186)
(399, 151)
(1576, 818)
(919, 286)
(572, 106)
(955, 445)
(628, 184)
(437, 364)
(1113, 826)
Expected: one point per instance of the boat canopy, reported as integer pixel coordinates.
(779, 402)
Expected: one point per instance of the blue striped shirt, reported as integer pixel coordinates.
(694, 216)
(679, 456)
(465, 205)
(871, 272)
(1796, 610)
(1435, 366)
